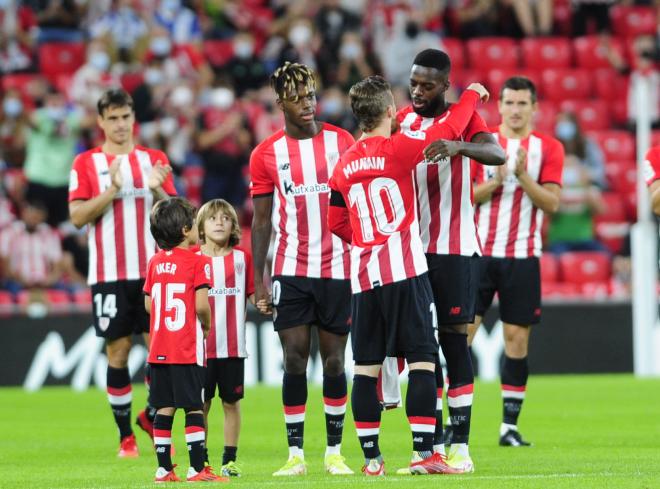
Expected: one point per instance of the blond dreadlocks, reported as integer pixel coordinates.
(287, 78)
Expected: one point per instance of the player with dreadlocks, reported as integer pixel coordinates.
(310, 273)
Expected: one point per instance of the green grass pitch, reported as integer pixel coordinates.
(588, 432)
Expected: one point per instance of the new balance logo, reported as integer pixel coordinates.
(418, 439)
(284, 166)
(368, 444)
(455, 311)
(160, 450)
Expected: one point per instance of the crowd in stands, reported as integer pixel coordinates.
(198, 71)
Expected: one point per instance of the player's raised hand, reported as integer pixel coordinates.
(442, 148)
(115, 175)
(521, 160)
(158, 174)
(481, 90)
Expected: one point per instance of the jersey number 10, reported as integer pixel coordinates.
(384, 195)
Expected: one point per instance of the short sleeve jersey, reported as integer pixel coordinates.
(509, 223)
(296, 172)
(120, 243)
(173, 277)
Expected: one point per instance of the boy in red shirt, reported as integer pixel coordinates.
(176, 289)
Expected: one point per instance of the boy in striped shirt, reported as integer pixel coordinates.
(232, 285)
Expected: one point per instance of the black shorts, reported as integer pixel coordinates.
(517, 282)
(229, 375)
(454, 281)
(396, 320)
(118, 309)
(176, 385)
(302, 301)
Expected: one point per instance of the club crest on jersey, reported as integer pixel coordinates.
(332, 158)
(207, 271)
(104, 323)
(239, 268)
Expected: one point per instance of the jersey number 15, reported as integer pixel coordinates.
(171, 304)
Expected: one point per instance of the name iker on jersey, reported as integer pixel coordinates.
(166, 267)
(302, 189)
(225, 291)
(366, 163)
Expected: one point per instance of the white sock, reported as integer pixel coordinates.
(439, 449)
(296, 452)
(333, 450)
(504, 427)
(460, 448)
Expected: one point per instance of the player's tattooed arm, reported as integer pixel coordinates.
(261, 232)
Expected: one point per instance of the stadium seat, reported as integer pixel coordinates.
(496, 77)
(609, 84)
(60, 57)
(632, 21)
(563, 14)
(486, 53)
(596, 290)
(549, 268)
(560, 84)
(82, 297)
(616, 144)
(130, 81)
(490, 113)
(612, 233)
(615, 207)
(546, 52)
(626, 177)
(580, 267)
(592, 115)
(19, 81)
(218, 51)
(460, 79)
(560, 290)
(454, 48)
(6, 302)
(58, 297)
(546, 116)
(591, 54)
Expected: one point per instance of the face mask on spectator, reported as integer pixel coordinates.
(56, 113)
(243, 49)
(181, 97)
(300, 35)
(222, 98)
(332, 106)
(12, 107)
(153, 76)
(160, 46)
(571, 176)
(350, 50)
(100, 60)
(565, 130)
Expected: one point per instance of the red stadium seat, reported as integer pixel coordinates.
(615, 208)
(496, 77)
(590, 53)
(563, 14)
(492, 52)
(130, 81)
(616, 144)
(632, 21)
(596, 290)
(218, 52)
(454, 48)
(592, 115)
(460, 79)
(612, 233)
(58, 297)
(546, 52)
(560, 290)
(82, 297)
(490, 113)
(561, 84)
(610, 84)
(58, 58)
(20, 81)
(580, 267)
(546, 117)
(549, 268)
(6, 302)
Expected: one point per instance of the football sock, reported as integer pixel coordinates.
(439, 383)
(163, 440)
(120, 395)
(420, 409)
(195, 440)
(229, 455)
(149, 410)
(334, 401)
(460, 391)
(366, 413)
(294, 398)
(514, 383)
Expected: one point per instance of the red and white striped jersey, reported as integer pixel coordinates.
(120, 242)
(172, 280)
(232, 282)
(297, 171)
(652, 165)
(444, 193)
(509, 223)
(31, 255)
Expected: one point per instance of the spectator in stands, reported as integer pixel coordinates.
(591, 11)
(302, 45)
(59, 20)
(30, 251)
(18, 20)
(271, 119)
(246, 70)
(644, 57)
(224, 142)
(181, 23)
(474, 18)
(334, 109)
(576, 143)
(149, 96)
(14, 56)
(13, 129)
(572, 226)
(50, 149)
(354, 63)
(332, 20)
(122, 30)
(533, 18)
(93, 78)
